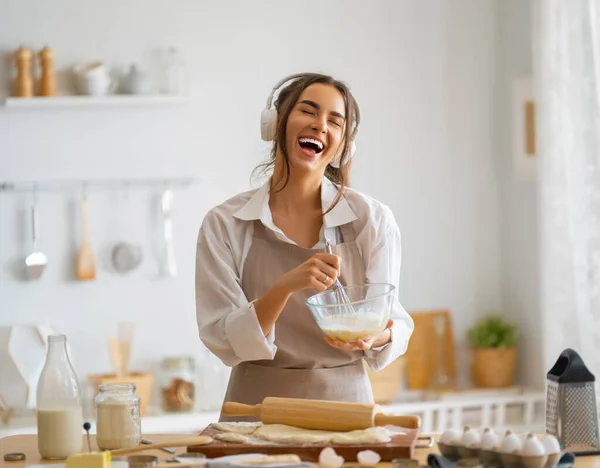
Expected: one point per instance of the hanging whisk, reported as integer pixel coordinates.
(340, 295)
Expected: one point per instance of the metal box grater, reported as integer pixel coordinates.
(571, 414)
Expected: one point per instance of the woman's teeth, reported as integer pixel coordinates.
(311, 143)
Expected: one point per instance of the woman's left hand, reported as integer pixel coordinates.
(363, 345)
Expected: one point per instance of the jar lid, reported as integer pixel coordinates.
(121, 387)
(180, 362)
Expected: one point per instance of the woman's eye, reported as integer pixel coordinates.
(308, 112)
(335, 123)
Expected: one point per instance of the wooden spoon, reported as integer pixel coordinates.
(198, 440)
(86, 269)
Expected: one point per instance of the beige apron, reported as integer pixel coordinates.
(305, 366)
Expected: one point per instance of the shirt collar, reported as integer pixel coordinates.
(258, 207)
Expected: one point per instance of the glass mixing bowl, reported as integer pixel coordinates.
(363, 316)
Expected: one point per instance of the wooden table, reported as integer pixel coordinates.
(27, 444)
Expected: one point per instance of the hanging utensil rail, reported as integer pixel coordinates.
(106, 184)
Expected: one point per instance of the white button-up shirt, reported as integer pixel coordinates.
(227, 321)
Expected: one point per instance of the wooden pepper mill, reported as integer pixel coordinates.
(23, 86)
(47, 83)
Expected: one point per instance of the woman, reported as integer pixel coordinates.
(261, 254)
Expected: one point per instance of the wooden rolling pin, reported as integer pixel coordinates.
(319, 414)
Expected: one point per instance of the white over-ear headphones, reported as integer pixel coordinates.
(268, 121)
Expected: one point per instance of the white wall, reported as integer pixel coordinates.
(520, 279)
(421, 71)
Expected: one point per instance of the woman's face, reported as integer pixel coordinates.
(315, 128)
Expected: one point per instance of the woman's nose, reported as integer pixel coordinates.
(320, 125)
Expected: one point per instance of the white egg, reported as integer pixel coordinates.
(551, 444)
(368, 458)
(450, 437)
(328, 458)
(470, 437)
(489, 439)
(511, 443)
(532, 447)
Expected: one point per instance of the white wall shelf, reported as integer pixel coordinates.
(94, 101)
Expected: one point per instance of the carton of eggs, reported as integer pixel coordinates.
(508, 451)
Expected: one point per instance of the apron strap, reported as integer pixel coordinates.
(346, 233)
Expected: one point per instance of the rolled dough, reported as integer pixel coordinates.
(232, 437)
(242, 427)
(282, 434)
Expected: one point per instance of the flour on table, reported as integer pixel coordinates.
(242, 427)
(233, 437)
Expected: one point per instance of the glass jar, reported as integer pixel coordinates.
(178, 384)
(59, 412)
(118, 420)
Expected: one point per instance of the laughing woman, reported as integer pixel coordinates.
(261, 254)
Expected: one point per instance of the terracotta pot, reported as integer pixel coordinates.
(493, 367)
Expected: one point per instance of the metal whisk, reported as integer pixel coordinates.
(338, 290)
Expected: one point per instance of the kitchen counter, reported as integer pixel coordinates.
(28, 444)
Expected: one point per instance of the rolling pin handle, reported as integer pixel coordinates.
(231, 408)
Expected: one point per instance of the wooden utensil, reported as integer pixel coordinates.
(424, 348)
(47, 83)
(86, 268)
(401, 445)
(319, 414)
(198, 440)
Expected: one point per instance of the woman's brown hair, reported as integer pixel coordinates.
(286, 100)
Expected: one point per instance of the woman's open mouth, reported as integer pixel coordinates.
(311, 146)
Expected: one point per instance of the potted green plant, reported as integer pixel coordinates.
(493, 340)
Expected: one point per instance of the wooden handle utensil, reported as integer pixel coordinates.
(189, 441)
(319, 414)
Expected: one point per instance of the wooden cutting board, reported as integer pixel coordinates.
(401, 446)
(424, 349)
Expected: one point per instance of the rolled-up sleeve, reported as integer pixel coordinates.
(383, 262)
(227, 321)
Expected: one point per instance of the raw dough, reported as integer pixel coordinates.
(372, 435)
(256, 432)
(283, 434)
(234, 437)
(243, 427)
(271, 460)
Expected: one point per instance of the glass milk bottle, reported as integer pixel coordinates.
(59, 409)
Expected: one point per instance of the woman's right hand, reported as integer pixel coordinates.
(318, 272)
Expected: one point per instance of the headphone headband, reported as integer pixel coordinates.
(279, 85)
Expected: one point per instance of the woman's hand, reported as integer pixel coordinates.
(318, 272)
(363, 345)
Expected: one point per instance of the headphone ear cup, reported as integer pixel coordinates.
(337, 159)
(268, 124)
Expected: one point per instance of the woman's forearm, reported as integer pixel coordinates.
(269, 306)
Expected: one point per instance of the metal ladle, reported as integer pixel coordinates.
(36, 261)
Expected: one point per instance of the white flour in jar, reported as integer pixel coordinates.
(118, 424)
